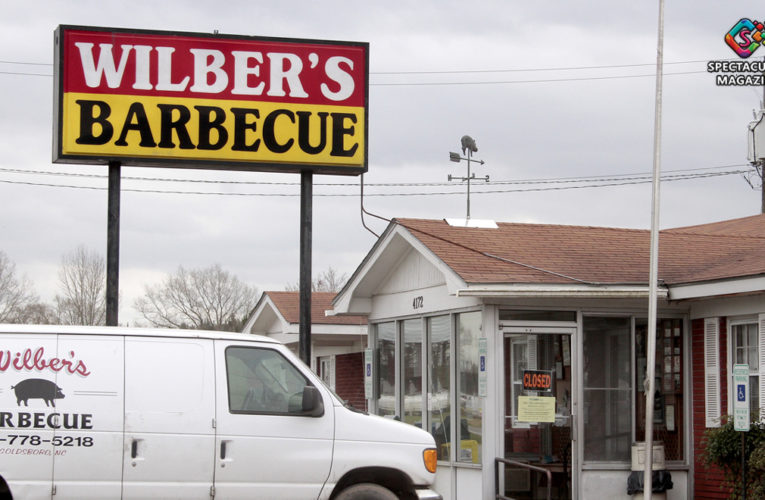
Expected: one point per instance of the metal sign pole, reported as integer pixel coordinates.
(743, 466)
(741, 414)
(306, 222)
(113, 245)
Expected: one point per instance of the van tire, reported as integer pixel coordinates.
(366, 491)
(5, 492)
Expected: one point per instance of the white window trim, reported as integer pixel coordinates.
(758, 320)
(330, 359)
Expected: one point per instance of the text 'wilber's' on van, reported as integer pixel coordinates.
(117, 413)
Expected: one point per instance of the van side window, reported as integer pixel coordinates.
(263, 381)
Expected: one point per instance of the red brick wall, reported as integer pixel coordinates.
(349, 379)
(707, 481)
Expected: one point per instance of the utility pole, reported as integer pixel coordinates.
(760, 170)
(756, 154)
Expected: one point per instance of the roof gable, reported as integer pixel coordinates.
(287, 305)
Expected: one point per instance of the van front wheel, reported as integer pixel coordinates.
(366, 491)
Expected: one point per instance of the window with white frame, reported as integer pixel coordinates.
(470, 407)
(439, 382)
(385, 368)
(326, 365)
(746, 341)
(433, 359)
(411, 371)
(607, 389)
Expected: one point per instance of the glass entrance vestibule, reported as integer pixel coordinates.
(558, 390)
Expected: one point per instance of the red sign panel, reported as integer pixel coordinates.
(210, 101)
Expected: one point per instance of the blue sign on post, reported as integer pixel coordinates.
(483, 351)
(741, 417)
(368, 388)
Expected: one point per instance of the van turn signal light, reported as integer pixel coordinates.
(431, 459)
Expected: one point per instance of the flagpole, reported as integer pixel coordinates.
(653, 279)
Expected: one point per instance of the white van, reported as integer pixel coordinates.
(103, 413)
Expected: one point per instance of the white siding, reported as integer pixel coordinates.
(414, 272)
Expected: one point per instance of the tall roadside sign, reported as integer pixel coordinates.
(210, 101)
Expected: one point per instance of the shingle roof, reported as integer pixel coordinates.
(753, 226)
(555, 254)
(288, 304)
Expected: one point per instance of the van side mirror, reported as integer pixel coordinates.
(313, 405)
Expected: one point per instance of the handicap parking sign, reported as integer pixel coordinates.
(741, 392)
(741, 415)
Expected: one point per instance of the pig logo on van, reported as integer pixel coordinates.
(37, 388)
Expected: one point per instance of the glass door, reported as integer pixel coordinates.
(538, 423)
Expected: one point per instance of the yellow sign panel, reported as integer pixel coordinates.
(536, 409)
(151, 127)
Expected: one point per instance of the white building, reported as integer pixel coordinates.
(533, 338)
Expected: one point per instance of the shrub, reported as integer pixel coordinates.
(722, 448)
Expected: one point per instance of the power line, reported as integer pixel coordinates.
(26, 63)
(24, 74)
(456, 72)
(468, 71)
(543, 80)
(549, 180)
(623, 182)
(516, 70)
(484, 82)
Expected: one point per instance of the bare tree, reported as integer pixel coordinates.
(38, 313)
(16, 292)
(208, 298)
(327, 281)
(82, 278)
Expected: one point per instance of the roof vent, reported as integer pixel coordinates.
(479, 223)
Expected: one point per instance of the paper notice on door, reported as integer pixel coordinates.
(536, 409)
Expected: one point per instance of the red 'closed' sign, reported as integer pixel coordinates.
(537, 380)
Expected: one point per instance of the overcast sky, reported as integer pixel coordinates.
(550, 91)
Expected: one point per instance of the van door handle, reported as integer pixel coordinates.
(223, 450)
(133, 449)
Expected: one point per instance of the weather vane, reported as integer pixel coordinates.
(468, 148)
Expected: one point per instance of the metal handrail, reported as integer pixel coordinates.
(505, 461)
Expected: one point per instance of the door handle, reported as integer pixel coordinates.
(223, 450)
(133, 448)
